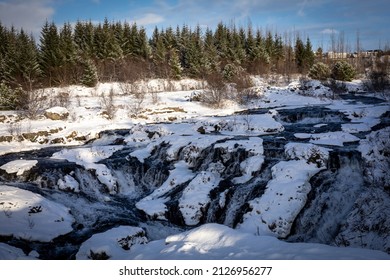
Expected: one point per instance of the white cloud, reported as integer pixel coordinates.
(27, 14)
(149, 18)
(329, 31)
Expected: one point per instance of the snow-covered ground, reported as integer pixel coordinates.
(217, 242)
(188, 129)
(27, 215)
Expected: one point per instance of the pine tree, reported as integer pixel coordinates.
(84, 39)
(300, 54)
(309, 54)
(50, 53)
(68, 55)
(174, 63)
(90, 75)
(27, 61)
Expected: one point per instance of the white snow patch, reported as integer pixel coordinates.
(57, 110)
(215, 241)
(254, 147)
(68, 183)
(153, 204)
(88, 157)
(309, 152)
(196, 196)
(115, 243)
(8, 252)
(274, 212)
(18, 166)
(29, 216)
(337, 138)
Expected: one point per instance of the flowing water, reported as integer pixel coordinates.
(334, 193)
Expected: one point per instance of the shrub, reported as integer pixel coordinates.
(10, 99)
(343, 71)
(378, 80)
(319, 71)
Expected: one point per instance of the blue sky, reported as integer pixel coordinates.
(316, 19)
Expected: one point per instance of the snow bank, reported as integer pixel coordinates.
(215, 241)
(309, 152)
(363, 118)
(8, 252)
(195, 196)
(254, 147)
(88, 157)
(18, 166)
(337, 138)
(274, 212)
(375, 150)
(115, 243)
(68, 183)
(243, 124)
(153, 204)
(30, 216)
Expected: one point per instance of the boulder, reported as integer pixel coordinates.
(57, 113)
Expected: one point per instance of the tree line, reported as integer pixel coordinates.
(86, 53)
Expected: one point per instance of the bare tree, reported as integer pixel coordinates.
(108, 106)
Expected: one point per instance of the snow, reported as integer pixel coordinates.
(153, 204)
(58, 110)
(29, 216)
(18, 166)
(219, 242)
(274, 212)
(113, 243)
(68, 183)
(187, 128)
(336, 138)
(8, 252)
(254, 147)
(375, 150)
(309, 152)
(88, 157)
(196, 196)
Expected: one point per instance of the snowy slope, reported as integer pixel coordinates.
(218, 242)
(30, 216)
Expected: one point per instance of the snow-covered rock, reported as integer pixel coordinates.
(310, 152)
(29, 216)
(288, 189)
(18, 166)
(57, 113)
(337, 138)
(215, 241)
(111, 244)
(195, 197)
(8, 252)
(154, 204)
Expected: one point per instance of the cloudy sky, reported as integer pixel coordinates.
(314, 18)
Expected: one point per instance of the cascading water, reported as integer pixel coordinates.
(334, 192)
(327, 216)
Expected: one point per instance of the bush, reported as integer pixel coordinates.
(10, 99)
(378, 80)
(215, 92)
(319, 71)
(343, 71)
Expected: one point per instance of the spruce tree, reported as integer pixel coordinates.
(68, 55)
(27, 64)
(90, 75)
(50, 53)
(300, 54)
(309, 54)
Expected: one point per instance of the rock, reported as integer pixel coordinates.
(57, 113)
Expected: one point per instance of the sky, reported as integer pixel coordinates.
(317, 19)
